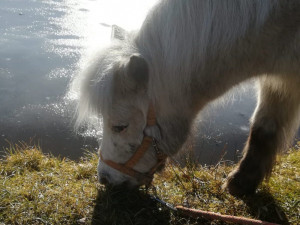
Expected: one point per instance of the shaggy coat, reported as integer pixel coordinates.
(186, 54)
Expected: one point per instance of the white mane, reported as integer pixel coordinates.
(211, 33)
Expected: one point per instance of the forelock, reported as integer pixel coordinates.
(95, 84)
(97, 80)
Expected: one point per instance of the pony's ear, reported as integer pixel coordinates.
(118, 33)
(137, 70)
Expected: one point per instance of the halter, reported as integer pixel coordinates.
(127, 167)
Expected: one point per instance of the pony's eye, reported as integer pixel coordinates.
(119, 129)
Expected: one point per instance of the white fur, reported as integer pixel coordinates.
(195, 50)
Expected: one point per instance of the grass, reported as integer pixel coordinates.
(42, 189)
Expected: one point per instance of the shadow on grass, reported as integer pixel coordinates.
(263, 206)
(122, 206)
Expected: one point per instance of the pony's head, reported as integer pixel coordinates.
(114, 86)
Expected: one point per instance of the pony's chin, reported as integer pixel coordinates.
(130, 185)
(126, 185)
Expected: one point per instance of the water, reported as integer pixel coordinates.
(44, 43)
(42, 46)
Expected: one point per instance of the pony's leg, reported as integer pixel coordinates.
(274, 123)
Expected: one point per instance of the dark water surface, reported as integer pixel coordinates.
(39, 53)
(43, 44)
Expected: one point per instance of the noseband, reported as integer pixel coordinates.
(127, 167)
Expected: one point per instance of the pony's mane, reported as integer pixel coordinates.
(173, 59)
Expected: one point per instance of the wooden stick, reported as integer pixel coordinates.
(196, 213)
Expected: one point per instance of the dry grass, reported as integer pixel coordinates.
(41, 189)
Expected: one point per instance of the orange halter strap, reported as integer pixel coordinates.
(127, 167)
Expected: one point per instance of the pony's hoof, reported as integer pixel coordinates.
(240, 185)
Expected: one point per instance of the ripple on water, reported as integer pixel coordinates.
(5, 74)
(84, 10)
(244, 128)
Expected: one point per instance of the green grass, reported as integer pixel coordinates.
(41, 189)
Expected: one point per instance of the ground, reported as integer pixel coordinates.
(42, 189)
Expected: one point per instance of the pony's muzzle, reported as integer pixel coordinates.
(103, 180)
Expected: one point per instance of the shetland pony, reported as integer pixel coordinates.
(186, 54)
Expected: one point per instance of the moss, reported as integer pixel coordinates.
(41, 189)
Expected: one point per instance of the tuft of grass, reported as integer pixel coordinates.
(42, 189)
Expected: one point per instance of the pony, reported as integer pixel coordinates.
(185, 55)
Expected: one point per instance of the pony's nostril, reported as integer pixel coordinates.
(103, 180)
